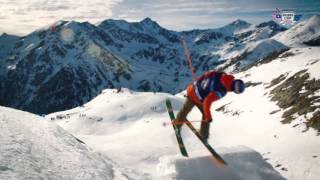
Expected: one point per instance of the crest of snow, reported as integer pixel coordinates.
(33, 148)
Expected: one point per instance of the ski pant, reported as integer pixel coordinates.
(183, 113)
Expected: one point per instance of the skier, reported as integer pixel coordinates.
(208, 88)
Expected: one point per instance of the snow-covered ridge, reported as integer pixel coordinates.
(33, 148)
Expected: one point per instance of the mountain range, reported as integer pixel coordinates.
(66, 64)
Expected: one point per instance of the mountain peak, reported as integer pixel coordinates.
(149, 21)
(114, 23)
(239, 22)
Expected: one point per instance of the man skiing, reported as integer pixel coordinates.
(208, 88)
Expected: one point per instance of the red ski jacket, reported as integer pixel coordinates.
(208, 88)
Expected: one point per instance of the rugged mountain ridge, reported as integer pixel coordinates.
(69, 63)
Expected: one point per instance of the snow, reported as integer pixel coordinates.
(256, 128)
(33, 148)
(303, 58)
(314, 69)
(244, 164)
(260, 49)
(301, 32)
(127, 126)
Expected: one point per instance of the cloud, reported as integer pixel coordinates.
(172, 14)
(38, 13)
(190, 14)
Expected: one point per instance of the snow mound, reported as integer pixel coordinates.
(302, 32)
(33, 148)
(244, 163)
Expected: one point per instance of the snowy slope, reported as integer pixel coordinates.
(253, 52)
(32, 148)
(252, 119)
(128, 126)
(305, 32)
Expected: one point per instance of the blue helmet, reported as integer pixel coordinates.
(238, 86)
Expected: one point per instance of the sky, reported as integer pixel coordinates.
(24, 16)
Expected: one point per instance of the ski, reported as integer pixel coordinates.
(176, 130)
(206, 144)
(179, 138)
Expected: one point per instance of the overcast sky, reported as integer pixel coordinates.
(24, 16)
